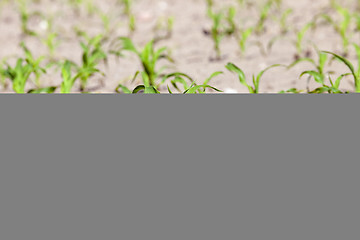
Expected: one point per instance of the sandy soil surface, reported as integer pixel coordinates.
(190, 48)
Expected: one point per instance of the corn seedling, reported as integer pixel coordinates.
(242, 78)
(230, 19)
(19, 75)
(355, 73)
(148, 57)
(243, 38)
(52, 42)
(299, 43)
(319, 74)
(320, 66)
(127, 5)
(34, 63)
(291, 90)
(342, 27)
(163, 29)
(183, 79)
(24, 17)
(283, 21)
(217, 32)
(68, 80)
(264, 15)
(92, 55)
(145, 88)
(209, 7)
(105, 21)
(2, 74)
(104, 28)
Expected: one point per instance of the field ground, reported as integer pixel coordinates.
(189, 46)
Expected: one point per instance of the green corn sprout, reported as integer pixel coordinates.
(68, 80)
(163, 25)
(284, 20)
(92, 55)
(244, 35)
(355, 73)
(230, 18)
(217, 33)
(342, 27)
(24, 17)
(145, 88)
(182, 78)
(19, 75)
(264, 15)
(242, 78)
(2, 74)
(34, 63)
(319, 74)
(299, 43)
(148, 56)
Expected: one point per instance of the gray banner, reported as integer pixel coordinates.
(179, 167)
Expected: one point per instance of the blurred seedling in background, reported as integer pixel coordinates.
(127, 5)
(163, 29)
(25, 16)
(243, 36)
(87, 4)
(230, 19)
(34, 63)
(341, 27)
(2, 74)
(93, 54)
(319, 65)
(105, 18)
(209, 7)
(52, 42)
(242, 78)
(264, 15)
(222, 25)
(68, 80)
(299, 42)
(217, 33)
(51, 38)
(283, 21)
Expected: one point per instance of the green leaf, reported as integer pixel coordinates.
(128, 45)
(151, 90)
(233, 68)
(138, 89)
(193, 89)
(301, 60)
(43, 90)
(215, 74)
(123, 88)
(350, 66)
(264, 71)
(317, 76)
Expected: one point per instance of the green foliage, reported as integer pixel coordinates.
(115, 28)
(92, 55)
(242, 78)
(148, 56)
(19, 75)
